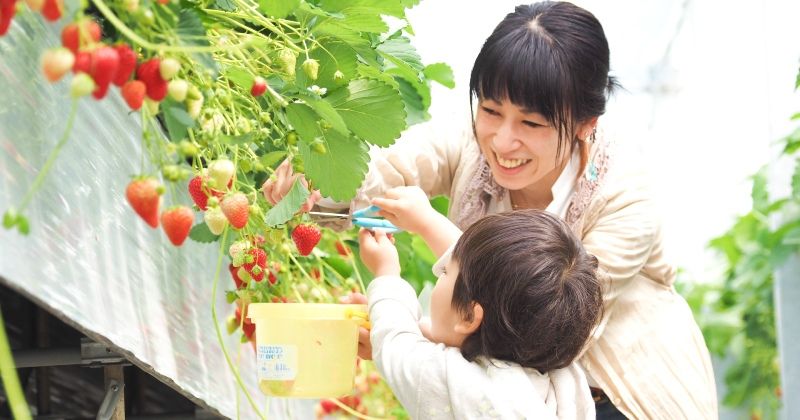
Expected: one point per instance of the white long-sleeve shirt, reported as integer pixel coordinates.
(433, 381)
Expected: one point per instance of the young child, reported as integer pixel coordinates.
(512, 308)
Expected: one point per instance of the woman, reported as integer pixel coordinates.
(541, 82)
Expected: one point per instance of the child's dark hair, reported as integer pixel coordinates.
(537, 285)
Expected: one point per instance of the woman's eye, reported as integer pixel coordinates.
(489, 111)
(532, 124)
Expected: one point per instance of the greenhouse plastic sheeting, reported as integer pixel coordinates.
(89, 259)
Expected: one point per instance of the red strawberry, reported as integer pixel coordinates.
(248, 327)
(342, 249)
(276, 267)
(259, 86)
(80, 34)
(259, 259)
(236, 280)
(127, 64)
(177, 222)
(105, 61)
(133, 92)
(200, 192)
(149, 73)
(236, 209)
(306, 237)
(83, 62)
(328, 406)
(52, 9)
(144, 195)
(7, 10)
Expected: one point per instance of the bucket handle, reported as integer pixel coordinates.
(361, 317)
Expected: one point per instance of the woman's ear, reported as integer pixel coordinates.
(468, 326)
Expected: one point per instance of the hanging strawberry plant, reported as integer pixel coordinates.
(228, 89)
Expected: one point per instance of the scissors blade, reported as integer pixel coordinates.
(326, 217)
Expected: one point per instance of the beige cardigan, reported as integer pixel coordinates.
(648, 353)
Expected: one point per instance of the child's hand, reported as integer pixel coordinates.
(364, 343)
(378, 253)
(407, 208)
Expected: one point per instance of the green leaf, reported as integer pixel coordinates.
(333, 55)
(325, 110)
(236, 140)
(412, 101)
(441, 204)
(759, 194)
(373, 110)
(441, 73)
(332, 27)
(225, 5)
(340, 172)
(288, 206)
(240, 77)
(796, 180)
(272, 158)
(23, 225)
(402, 55)
(394, 8)
(10, 218)
(201, 233)
(304, 121)
(191, 32)
(278, 9)
(176, 119)
(231, 296)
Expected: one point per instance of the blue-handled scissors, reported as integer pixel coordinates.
(366, 218)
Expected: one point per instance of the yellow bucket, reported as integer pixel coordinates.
(306, 350)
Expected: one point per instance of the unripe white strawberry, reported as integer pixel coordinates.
(220, 171)
(311, 68)
(56, 62)
(215, 220)
(81, 85)
(168, 68)
(178, 89)
(193, 107)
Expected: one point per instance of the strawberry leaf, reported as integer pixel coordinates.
(372, 109)
(339, 172)
(288, 206)
(441, 73)
(201, 233)
(177, 119)
(278, 8)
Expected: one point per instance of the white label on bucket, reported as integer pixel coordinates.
(277, 362)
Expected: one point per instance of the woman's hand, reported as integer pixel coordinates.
(364, 344)
(278, 185)
(408, 208)
(378, 253)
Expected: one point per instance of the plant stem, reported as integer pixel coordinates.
(37, 183)
(16, 399)
(234, 370)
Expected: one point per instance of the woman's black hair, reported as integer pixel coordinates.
(551, 58)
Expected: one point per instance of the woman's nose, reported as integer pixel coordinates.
(505, 139)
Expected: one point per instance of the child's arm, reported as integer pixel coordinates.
(412, 366)
(410, 209)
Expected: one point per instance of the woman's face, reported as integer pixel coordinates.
(520, 146)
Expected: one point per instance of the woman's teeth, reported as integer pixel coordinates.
(512, 163)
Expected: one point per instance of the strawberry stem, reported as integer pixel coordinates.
(37, 183)
(234, 370)
(19, 407)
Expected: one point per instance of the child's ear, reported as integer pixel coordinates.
(469, 326)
